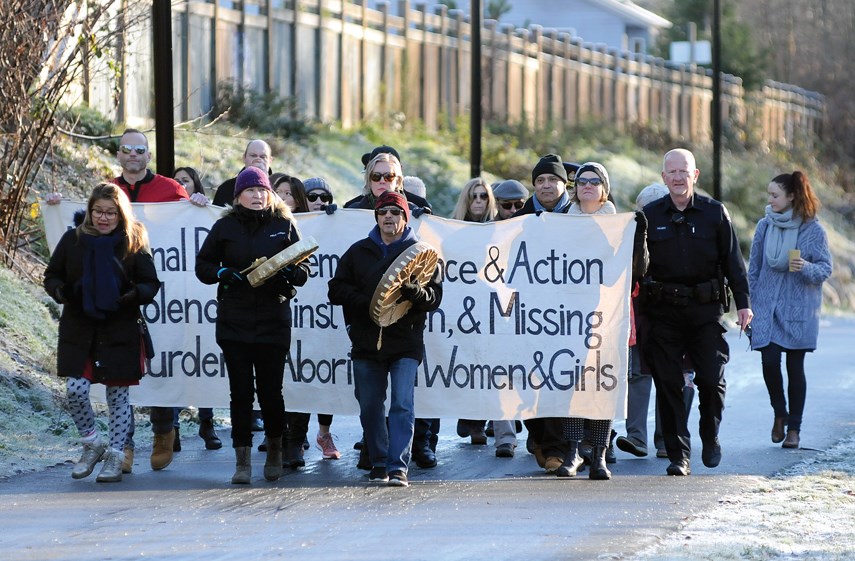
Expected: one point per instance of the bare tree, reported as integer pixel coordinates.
(44, 46)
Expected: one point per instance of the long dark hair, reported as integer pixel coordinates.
(297, 191)
(805, 202)
(135, 234)
(194, 175)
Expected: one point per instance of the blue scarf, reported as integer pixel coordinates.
(562, 203)
(781, 236)
(101, 276)
(374, 236)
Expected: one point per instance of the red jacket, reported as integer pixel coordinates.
(152, 188)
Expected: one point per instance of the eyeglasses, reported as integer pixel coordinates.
(324, 197)
(389, 177)
(512, 205)
(482, 196)
(110, 214)
(393, 210)
(138, 148)
(595, 181)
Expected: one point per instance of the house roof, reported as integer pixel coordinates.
(633, 12)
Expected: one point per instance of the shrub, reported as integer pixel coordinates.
(264, 112)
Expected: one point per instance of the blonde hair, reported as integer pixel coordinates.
(397, 185)
(461, 209)
(136, 236)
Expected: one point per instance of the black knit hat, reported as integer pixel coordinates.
(551, 163)
(384, 149)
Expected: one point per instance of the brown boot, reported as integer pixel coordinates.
(161, 450)
(792, 440)
(128, 462)
(778, 429)
(243, 467)
(273, 463)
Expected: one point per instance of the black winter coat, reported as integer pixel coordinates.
(366, 202)
(113, 343)
(246, 314)
(357, 276)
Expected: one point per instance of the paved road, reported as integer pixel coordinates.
(472, 506)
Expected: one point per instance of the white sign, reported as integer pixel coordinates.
(534, 319)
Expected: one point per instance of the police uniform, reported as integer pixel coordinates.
(692, 253)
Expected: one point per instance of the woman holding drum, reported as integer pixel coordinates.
(253, 319)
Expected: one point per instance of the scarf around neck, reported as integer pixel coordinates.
(607, 208)
(562, 203)
(781, 236)
(101, 277)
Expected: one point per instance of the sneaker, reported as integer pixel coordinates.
(111, 471)
(327, 446)
(92, 454)
(378, 475)
(398, 479)
(505, 450)
(632, 446)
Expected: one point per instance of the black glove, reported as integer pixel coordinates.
(289, 273)
(641, 220)
(59, 295)
(413, 292)
(330, 208)
(229, 276)
(131, 297)
(419, 210)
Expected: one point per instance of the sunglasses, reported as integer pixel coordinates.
(482, 196)
(138, 148)
(595, 181)
(394, 211)
(512, 205)
(389, 177)
(324, 197)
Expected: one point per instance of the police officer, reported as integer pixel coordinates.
(693, 249)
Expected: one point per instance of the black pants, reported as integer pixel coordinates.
(251, 366)
(695, 331)
(426, 434)
(796, 388)
(548, 433)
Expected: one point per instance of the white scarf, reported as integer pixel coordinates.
(781, 236)
(607, 208)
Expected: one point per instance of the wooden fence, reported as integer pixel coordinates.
(346, 63)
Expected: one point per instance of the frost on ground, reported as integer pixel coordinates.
(806, 512)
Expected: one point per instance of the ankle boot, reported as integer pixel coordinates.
(598, 469)
(111, 471)
(610, 451)
(161, 450)
(209, 435)
(572, 461)
(273, 462)
(243, 467)
(128, 462)
(792, 440)
(778, 429)
(293, 455)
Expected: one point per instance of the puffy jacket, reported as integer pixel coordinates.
(246, 314)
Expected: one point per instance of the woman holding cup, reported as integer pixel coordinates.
(790, 260)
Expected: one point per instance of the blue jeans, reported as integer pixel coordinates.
(387, 446)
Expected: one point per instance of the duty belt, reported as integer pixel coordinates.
(681, 294)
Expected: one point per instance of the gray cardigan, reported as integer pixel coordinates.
(786, 305)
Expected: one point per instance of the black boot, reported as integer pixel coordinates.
(598, 469)
(572, 461)
(209, 435)
(292, 454)
(610, 451)
(176, 444)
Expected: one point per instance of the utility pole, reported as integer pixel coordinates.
(164, 117)
(475, 113)
(716, 98)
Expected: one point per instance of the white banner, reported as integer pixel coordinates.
(534, 319)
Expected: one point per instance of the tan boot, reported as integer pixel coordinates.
(243, 467)
(161, 450)
(273, 463)
(128, 462)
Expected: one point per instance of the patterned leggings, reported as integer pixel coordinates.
(599, 431)
(80, 408)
